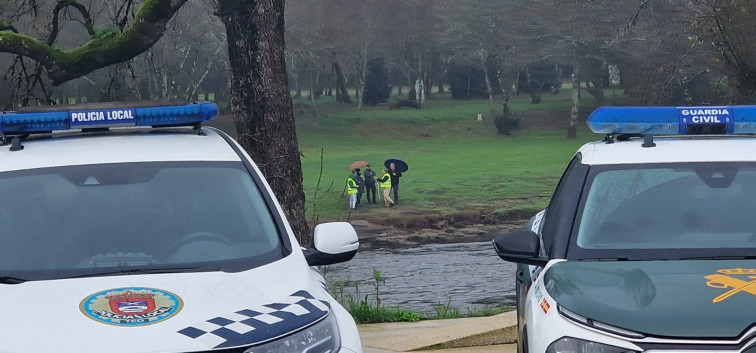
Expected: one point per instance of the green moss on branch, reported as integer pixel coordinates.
(107, 47)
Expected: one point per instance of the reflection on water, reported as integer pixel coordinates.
(467, 276)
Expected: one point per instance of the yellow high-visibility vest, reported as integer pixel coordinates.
(387, 183)
(351, 186)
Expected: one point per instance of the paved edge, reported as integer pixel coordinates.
(440, 334)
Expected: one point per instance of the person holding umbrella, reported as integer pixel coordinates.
(395, 175)
(395, 167)
(355, 168)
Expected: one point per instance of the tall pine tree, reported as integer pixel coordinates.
(377, 87)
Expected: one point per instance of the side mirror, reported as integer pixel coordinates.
(332, 243)
(520, 246)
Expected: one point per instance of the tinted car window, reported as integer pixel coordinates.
(681, 208)
(132, 215)
(562, 207)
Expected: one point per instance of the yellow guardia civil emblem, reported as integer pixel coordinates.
(728, 278)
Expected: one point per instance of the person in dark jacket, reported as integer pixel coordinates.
(395, 175)
(360, 186)
(369, 178)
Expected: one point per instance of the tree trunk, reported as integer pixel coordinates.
(504, 121)
(469, 80)
(572, 128)
(361, 75)
(342, 96)
(313, 108)
(428, 81)
(295, 77)
(260, 101)
(418, 80)
(483, 61)
(441, 88)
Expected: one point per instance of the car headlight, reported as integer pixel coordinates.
(574, 345)
(323, 337)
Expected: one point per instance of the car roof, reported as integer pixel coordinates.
(117, 146)
(671, 149)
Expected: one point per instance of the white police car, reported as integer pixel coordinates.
(649, 241)
(119, 237)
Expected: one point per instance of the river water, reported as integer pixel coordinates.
(465, 276)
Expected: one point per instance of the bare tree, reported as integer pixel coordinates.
(613, 26)
(727, 27)
(305, 53)
(104, 48)
(493, 34)
(373, 18)
(260, 101)
(415, 34)
(191, 51)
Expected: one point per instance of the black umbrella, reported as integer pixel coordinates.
(399, 164)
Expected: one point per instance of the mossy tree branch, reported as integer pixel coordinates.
(5, 26)
(100, 51)
(62, 4)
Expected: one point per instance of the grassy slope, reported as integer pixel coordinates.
(457, 164)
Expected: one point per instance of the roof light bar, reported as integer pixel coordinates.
(674, 120)
(69, 118)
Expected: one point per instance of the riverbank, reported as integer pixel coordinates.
(403, 227)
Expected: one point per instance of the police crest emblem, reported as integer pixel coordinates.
(131, 306)
(728, 279)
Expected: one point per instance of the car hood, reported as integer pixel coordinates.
(183, 312)
(692, 298)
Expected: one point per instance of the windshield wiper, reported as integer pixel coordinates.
(720, 257)
(11, 280)
(623, 259)
(135, 271)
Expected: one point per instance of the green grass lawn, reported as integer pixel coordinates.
(456, 163)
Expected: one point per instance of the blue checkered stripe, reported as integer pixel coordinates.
(250, 326)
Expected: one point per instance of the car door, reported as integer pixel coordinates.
(554, 226)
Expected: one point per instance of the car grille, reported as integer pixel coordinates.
(229, 350)
(748, 347)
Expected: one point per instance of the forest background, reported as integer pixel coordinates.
(442, 63)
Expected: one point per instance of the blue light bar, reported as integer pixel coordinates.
(674, 120)
(16, 123)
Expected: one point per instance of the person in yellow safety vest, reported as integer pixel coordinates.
(352, 191)
(385, 183)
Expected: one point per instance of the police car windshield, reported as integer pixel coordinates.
(74, 219)
(667, 211)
